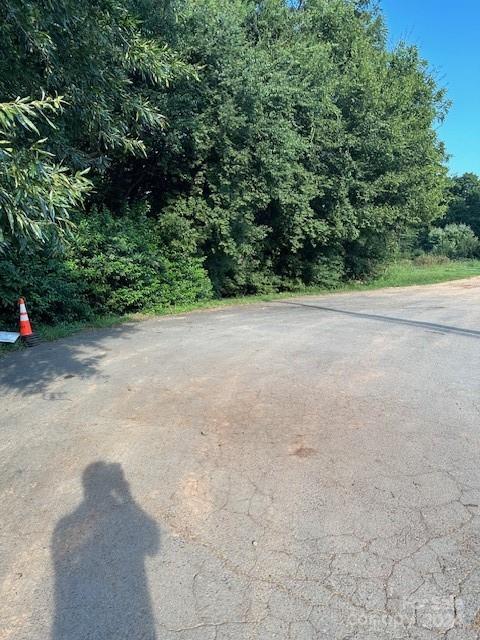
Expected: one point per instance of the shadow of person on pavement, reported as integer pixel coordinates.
(99, 551)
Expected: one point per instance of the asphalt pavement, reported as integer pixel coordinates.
(302, 469)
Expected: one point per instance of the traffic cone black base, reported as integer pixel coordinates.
(33, 340)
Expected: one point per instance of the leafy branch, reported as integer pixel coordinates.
(37, 194)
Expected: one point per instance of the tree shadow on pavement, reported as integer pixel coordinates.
(98, 553)
(31, 371)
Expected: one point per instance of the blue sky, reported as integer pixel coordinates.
(448, 36)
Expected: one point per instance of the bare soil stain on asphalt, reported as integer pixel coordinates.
(304, 452)
(294, 471)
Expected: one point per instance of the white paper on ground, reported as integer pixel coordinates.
(9, 336)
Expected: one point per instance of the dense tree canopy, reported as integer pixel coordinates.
(282, 143)
(99, 55)
(304, 146)
(464, 205)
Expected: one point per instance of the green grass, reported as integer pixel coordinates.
(399, 274)
(406, 273)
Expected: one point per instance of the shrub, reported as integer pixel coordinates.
(326, 271)
(44, 277)
(124, 265)
(113, 265)
(430, 259)
(368, 256)
(454, 241)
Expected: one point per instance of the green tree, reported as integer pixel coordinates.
(37, 194)
(454, 241)
(306, 142)
(299, 154)
(464, 204)
(101, 58)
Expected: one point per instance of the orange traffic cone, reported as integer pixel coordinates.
(25, 328)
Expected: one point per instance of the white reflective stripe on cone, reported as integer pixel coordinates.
(23, 308)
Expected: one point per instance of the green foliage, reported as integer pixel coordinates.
(123, 265)
(276, 145)
(430, 260)
(101, 58)
(37, 195)
(304, 142)
(54, 292)
(326, 271)
(113, 265)
(454, 241)
(464, 204)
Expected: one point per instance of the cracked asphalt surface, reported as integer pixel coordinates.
(304, 469)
